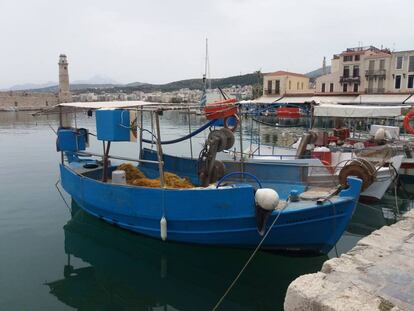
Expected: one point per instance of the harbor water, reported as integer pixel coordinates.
(53, 256)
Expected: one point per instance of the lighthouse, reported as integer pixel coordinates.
(64, 92)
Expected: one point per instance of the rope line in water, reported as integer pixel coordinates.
(61, 195)
(249, 260)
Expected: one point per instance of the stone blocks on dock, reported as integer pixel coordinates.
(377, 274)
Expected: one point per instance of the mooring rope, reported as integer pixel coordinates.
(61, 195)
(250, 259)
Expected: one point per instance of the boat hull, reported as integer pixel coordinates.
(222, 217)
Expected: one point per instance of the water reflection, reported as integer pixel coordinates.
(129, 271)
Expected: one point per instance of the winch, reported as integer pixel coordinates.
(210, 169)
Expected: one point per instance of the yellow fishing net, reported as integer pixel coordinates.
(135, 177)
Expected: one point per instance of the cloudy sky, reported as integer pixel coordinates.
(161, 41)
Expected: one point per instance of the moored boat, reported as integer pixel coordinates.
(216, 210)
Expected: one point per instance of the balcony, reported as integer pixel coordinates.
(375, 90)
(380, 73)
(271, 92)
(350, 79)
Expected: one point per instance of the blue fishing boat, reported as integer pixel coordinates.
(219, 209)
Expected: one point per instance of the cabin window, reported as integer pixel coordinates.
(411, 64)
(323, 88)
(345, 87)
(331, 87)
(398, 82)
(410, 83)
(399, 63)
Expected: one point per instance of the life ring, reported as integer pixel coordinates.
(228, 126)
(406, 122)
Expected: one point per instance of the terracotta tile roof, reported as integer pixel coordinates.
(285, 73)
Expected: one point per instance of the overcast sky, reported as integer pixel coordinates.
(161, 41)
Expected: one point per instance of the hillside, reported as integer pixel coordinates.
(247, 79)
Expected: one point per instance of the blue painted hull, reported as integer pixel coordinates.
(224, 216)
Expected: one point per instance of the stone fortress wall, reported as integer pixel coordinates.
(25, 100)
(22, 100)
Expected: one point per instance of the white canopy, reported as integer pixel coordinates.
(265, 100)
(357, 111)
(410, 100)
(109, 105)
(381, 99)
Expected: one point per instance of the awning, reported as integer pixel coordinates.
(358, 111)
(381, 99)
(295, 99)
(109, 105)
(265, 100)
(334, 99)
(410, 100)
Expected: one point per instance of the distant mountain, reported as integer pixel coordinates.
(101, 83)
(30, 86)
(97, 79)
(134, 84)
(194, 84)
(318, 72)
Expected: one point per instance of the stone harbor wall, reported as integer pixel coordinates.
(26, 100)
(377, 274)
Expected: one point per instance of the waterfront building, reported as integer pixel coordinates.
(368, 70)
(402, 72)
(281, 83)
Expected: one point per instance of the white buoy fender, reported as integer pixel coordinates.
(163, 228)
(267, 198)
(379, 134)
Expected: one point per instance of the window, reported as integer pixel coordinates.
(411, 64)
(399, 63)
(357, 57)
(269, 87)
(345, 87)
(302, 86)
(410, 83)
(290, 84)
(323, 88)
(355, 72)
(382, 64)
(356, 87)
(348, 58)
(346, 71)
(331, 87)
(297, 85)
(398, 82)
(277, 87)
(371, 65)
